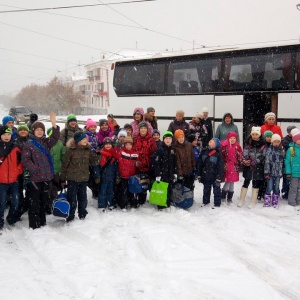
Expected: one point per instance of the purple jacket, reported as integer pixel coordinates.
(101, 135)
(35, 161)
(93, 140)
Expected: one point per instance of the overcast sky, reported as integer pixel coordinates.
(210, 22)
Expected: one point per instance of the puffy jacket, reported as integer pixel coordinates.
(135, 124)
(101, 135)
(185, 158)
(36, 162)
(11, 167)
(286, 142)
(126, 162)
(67, 133)
(292, 160)
(93, 140)
(223, 129)
(76, 162)
(57, 153)
(274, 161)
(183, 125)
(107, 169)
(274, 128)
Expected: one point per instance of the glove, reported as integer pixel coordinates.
(218, 183)
(158, 178)
(118, 180)
(199, 179)
(175, 177)
(97, 180)
(63, 184)
(267, 176)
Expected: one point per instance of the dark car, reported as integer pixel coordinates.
(20, 114)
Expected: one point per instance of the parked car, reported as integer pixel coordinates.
(20, 114)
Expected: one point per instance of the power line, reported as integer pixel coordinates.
(73, 6)
(13, 62)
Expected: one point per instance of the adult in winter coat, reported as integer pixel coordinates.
(253, 161)
(225, 127)
(151, 118)
(270, 119)
(138, 117)
(185, 160)
(113, 124)
(211, 171)
(179, 123)
(10, 169)
(70, 128)
(233, 156)
(104, 131)
(207, 129)
(164, 164)
(37, 160)
(195, 128)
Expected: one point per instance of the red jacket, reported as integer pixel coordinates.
(274, 128)
(145, 146)
(11, 167)
(126, 162)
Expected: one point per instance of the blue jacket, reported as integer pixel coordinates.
(292, 160)
(274, 161)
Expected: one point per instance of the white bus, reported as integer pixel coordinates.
(248, 82)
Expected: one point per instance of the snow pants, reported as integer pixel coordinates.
(294, 192)
(207, 185)
(106, 194)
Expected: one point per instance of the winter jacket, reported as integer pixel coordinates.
(113, 125)
(126, 162)
(151, 120)
(11, 167)
(14, 135)
(197, 154)
(223, 129)
(286, 142)
(20, 141)
(158, 144)
(145, 146)
(274, 128)
(35, 161)
(183, 125)
(135, 124)
(255, 152)
(292, 160)
(233, 156)
(211, 165)
(101, 135)
(196, 129)
(107, 168)
(274, 161)
(76, 162)
(67, 133)
(57, 153)
(164, 163)
(206, 133)
(185, 158)
(93, 140)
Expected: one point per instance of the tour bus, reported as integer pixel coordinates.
(245, 81)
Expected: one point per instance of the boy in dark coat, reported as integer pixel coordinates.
(164, 164)
(211, 171)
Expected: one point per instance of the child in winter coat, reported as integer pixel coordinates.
(186, 164)
(108, 174)
(192, 138)
(127, 166)
(75, 169)
(164, 164)
(292, 169)
(129, 130)
(233, 156)
(138, 117)
(273, 170)
(37, 160)
(253, 161)
(70, 128)
(156, 137)
(10, 169)
(120, 139)
(211, 171)
(145, 145)
(9, 122)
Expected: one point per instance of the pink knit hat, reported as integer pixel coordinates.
(231, 134)
(90, 123)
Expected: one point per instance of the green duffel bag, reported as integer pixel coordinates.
(159, 193)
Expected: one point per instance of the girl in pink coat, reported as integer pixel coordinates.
(233, 155)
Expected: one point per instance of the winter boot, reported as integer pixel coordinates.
(242, 196)
(275, 199)
(223, 195)
(253, 198)
(268, 201)
(229, 197)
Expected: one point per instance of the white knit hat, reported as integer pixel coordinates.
(275, 137)
(198, 115)
(295, 134)
(122, 132)
(269, 115)
(205, 109)
(294, 131)
(256, 130)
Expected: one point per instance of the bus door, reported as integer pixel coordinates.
(229, 104)
(255, 107)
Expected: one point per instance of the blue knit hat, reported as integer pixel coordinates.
(78, 136)
(7, 119)
(155, 131)
(217, 142)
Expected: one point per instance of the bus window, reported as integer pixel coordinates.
(297, 72)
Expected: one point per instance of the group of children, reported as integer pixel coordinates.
(107, 159)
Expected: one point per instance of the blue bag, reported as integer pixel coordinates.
(61, 207)
(138, 184)
(182, 196)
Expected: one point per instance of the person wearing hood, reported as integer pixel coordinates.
(37, 160)
(225, 127)
(179, 124)
(70, 128)
(138, 117)
(32, 118)
(270, 119)
(151, 118)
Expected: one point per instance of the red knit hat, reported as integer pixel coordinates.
(178, 133)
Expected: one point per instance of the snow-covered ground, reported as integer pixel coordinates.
(203, 253)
